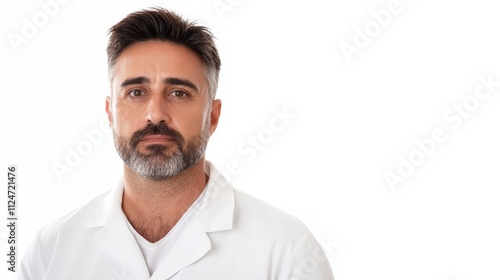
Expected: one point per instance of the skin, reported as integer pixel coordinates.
(154, 207)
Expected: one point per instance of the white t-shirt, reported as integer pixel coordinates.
(154, 253)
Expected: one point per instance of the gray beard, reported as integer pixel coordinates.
(156, 165)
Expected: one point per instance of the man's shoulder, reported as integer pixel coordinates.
(74, 220)
(268, 218)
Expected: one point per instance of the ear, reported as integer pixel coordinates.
(214, 115)
(108, 110)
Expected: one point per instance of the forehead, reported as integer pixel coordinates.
(158, 60)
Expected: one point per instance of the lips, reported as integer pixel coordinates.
(156, 138)
(159, 134)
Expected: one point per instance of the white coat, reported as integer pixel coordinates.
(231, 236)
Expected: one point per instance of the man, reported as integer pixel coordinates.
(173, 215)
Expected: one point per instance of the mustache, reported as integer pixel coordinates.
(156, 129)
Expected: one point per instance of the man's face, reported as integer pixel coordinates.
(159, 109)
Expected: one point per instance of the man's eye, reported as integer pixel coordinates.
(135, 93)
(179, 94)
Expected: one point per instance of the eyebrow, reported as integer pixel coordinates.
(166, 81)
(180, 82)
(135, 81)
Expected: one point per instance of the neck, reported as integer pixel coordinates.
(154, 207)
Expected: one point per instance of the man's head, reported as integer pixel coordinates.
(162, 25)
(162, 109)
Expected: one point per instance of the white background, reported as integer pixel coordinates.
(353, 122)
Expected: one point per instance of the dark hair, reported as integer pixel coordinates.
(163, 25)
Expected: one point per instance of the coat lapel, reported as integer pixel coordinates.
(119, 250)
(193, 243)
(118, 247)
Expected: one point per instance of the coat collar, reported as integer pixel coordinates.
(215, 212)
(113, 235)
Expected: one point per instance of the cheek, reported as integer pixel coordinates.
(126, 120)
(191, 122)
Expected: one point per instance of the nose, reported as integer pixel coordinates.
(156, 110)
